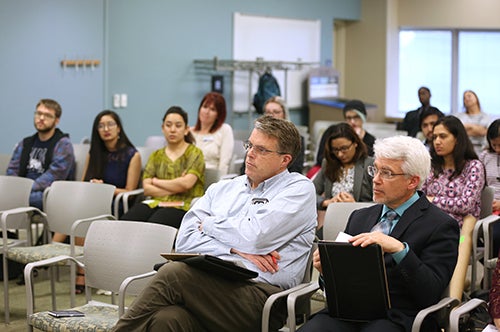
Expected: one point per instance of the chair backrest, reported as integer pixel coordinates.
(156, 142)
(15, 192)
(4, 162)
(145, 152)
(487, 195)
(115, 250)
(81, 151)
(211, 176)
(238, 158)
(337, 215)
(68, 201)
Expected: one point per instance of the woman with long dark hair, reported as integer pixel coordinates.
(173, 175)
(112, 158)
(343, 176)
(457, 177)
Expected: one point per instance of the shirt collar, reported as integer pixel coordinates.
(403, 207)
(268, 182)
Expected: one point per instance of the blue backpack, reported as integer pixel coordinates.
(268, 87)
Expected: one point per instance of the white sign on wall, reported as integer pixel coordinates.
(274, 39)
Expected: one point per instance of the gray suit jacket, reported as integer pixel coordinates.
(362, 187)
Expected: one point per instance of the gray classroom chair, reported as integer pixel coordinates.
(118, 256)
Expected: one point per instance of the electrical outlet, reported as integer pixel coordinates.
(123, 100)
(116, 100)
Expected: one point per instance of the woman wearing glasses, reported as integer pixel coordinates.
(343, 176)
(112, 158)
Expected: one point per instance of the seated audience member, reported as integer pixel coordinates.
(491, 160)
(420, 248)
(457, 176)
(276, 107)
(213, 136)
(112, 159)
(355, 115)
(475, 121)
(494, 304)
(343, 176)
(173, 175)
(412, 122)
(266, 219)
(455, 184)
(428, 119)
(46, 156)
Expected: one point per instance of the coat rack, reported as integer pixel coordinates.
(84, 63)
(258, 66)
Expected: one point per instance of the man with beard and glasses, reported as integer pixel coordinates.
(47, 155)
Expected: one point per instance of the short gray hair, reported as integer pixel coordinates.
(415, 156)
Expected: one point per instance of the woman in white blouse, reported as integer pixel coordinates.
(213, 136)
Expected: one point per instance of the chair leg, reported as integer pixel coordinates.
(72, 276)
(6, 288)
(53, 286)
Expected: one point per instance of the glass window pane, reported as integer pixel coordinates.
(479, 68)
(424, 60)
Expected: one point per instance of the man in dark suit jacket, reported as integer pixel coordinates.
(421, 248)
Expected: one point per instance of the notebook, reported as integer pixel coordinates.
(211, 264)
(355, 281)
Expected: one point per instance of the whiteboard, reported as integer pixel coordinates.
(274, 39)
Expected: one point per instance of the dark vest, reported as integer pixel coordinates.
(28, 144)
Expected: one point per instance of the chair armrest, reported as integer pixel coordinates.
(447, 302)
(463, 309)
(28, 271)
(116, 204)
(123, 289)
(127, 195)
(477, 253)
(307, 290)
(266, 310)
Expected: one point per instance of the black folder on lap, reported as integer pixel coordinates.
(214, 265)
(355, 281)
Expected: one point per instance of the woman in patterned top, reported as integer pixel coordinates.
(343, 176)
(457, 176)
(173, 175)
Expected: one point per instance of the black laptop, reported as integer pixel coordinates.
(355, 281)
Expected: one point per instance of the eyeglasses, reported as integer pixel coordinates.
(259, 149)
(49, 116)
(109, 125)
(342, 149)
(273, 112)
(384, 173)
(352, 118)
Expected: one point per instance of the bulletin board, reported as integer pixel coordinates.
(274, 39)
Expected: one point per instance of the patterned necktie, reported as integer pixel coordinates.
(385, 224)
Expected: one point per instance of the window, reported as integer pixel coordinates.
(449, 62)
